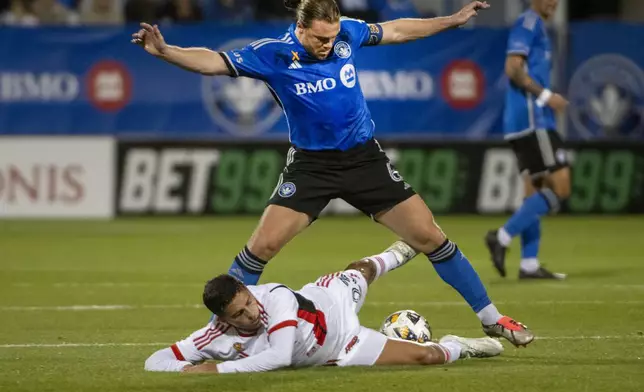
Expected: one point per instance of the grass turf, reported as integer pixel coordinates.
(153, 270)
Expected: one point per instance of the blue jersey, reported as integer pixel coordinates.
(529, 38)
(322, 99)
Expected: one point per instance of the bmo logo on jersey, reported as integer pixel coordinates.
(348, 78)
(315, 87)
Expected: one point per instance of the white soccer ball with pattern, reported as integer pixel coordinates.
(407, 325)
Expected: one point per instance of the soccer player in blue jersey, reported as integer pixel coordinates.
(530, 127)
(311, 71)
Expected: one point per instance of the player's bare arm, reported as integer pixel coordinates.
(516, 72)
(199, 60)
(208, 367)
(408, 29)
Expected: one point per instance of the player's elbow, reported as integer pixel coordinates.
(510, 70)
(283, 360)
(163, 361)
(153, 363)
(513, 68)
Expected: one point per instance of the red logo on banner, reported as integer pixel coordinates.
(463, 84)
(109, 85)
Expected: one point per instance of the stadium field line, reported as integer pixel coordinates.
(115, 307)
(80, 345)
(62, 285)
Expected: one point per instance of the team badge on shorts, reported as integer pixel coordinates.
(342, 49)
(562, 155)
(287, 189)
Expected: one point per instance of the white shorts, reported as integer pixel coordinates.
(341, 296)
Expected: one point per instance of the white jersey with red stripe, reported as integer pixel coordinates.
(219, 341)
(323, 315)
(325, 312)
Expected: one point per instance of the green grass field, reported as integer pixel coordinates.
(83, 304)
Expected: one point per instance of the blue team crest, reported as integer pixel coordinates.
(342, 49)
(287, 189)
(240, 106)
(607, 97)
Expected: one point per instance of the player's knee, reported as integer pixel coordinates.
(428, 238)
(366, 267)
(265, 247)
(559, 182)
(562, 189)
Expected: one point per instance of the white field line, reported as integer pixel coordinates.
(116, 307)
(161, 344)
(62, 285)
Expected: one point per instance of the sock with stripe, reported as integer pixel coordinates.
(454, 268)
(384, 263)
(530, 239)
(532, 209)
(452, 351)
(247, 267)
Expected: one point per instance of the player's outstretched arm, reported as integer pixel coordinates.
(199, 60)
(516, 72)
(165, 361)
(405, 30)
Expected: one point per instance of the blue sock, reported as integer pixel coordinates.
(454, 268)
(533, 208)
(247, 267)
(530, 238)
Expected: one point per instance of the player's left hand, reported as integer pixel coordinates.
(201, 368)
(469, 11)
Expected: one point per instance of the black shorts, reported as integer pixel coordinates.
(362, 176)
(540, 152)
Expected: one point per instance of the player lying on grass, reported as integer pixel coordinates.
(269, 326)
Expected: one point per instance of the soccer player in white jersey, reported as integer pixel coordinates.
(311, 71)
(267, 327)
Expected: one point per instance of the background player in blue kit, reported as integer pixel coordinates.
(530, 126)
(311, 72)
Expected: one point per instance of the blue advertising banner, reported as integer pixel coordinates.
(606, 85)
(94, 81)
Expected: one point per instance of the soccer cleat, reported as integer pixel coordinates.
(403, 252)
(515, 332)
(497, 251)
(475, 348)
(541, 273)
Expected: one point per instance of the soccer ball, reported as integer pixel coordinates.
(407, 325)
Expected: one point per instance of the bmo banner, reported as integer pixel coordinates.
(56, 177)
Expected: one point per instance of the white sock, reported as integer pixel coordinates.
(452, 351)
(530, 265)
(384, 262)
(504, 238)
(489, 315)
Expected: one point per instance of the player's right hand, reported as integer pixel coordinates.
(150, 38)
(558, 103)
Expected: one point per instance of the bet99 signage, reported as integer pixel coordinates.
(198, 178)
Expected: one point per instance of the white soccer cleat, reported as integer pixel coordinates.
(404, 253)
(475, 347)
